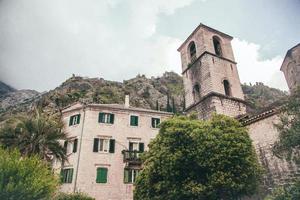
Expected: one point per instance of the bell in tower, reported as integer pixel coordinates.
(210, 75)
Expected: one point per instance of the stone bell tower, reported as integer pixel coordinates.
(210, 75)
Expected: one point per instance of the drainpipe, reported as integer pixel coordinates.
(79, 149)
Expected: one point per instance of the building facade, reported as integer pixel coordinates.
(103, 148)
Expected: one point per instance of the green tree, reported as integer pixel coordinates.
(35, 134)
(193, 159)
(288, 192)
(288, 145)
(25, 177)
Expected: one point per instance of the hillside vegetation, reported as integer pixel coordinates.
(150, 93)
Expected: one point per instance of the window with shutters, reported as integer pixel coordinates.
(70, 146)
(104, 145)
(136, 146)
(107, 118)
(155, 122)
(101, 176)
(66, 175)
(130, 175)
(134, 120)
(75, 119)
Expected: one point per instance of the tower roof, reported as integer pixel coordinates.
(205, 27)
(288, 54)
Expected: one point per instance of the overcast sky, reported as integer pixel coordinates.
(44, 42)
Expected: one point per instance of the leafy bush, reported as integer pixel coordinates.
(289, 192)
(25, 177)
(74, 196)
(193, 159)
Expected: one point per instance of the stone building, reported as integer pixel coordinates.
(291, 67)
(210, 75)
(103, 148)
(212, 85)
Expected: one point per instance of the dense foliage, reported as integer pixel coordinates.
(25, 177)
(35, 134)
(289, 192)
(288, 145)
(192, 159)
(74, 196)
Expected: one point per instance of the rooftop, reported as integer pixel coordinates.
(205, 27)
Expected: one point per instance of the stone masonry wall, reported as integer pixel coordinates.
(278, 171)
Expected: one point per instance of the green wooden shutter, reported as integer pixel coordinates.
(96, 145)
(153, 122)
(112, 146)
(130, 146)
(78, 119)
(141, 147)
(112, 118)
(126, 176)
(65, 146)
(101, 175)
(101, 118)
(70, 177)
(136, 120)
(131, 120)
(71, 120)
(75, 145)
(62, 175)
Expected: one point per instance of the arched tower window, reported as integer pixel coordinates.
(192, 51)
(227, 89)
(196, 92)
(217, 46)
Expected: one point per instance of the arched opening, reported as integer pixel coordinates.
(227, 88)
(192, 51)
(217, 46)
(196, 92)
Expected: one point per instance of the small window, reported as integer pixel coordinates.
(217, 46)
(104, 145)
(192, 50)
(227, 88)
(75, 119)
(66, 175)
(107, 118)
(130, 175)
(101, 175)
(136, 146)
(134, 120)
(196, 92)
(70, 146)
(155, 122)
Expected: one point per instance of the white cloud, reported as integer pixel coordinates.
(44, 42)
(252, 69)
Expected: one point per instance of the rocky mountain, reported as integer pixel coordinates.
(163, 93)
(4, 89)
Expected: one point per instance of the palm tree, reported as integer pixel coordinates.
(35, 134)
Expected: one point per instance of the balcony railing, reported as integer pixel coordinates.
(132, 156)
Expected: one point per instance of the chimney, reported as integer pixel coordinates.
(126, 104)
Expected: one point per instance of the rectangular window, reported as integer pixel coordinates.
(66, 175)
(136, 146)
(130, 175)
(101, 175)
(75, 119)
(104, 145)
(155, 122)
(107, 118)
(134, 120)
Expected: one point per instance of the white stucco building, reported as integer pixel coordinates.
(104, 142)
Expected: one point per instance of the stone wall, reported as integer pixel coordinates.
(278, 171)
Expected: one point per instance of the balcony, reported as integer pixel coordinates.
(132, 157)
